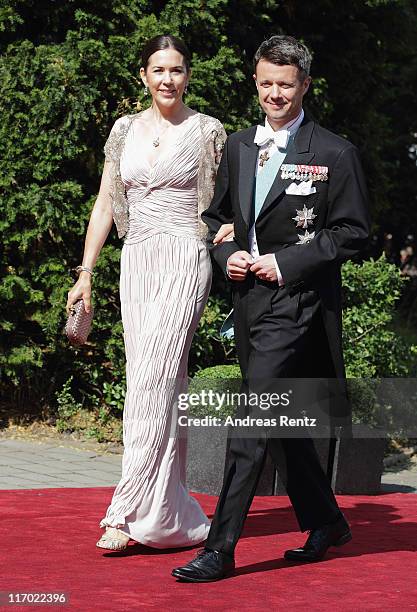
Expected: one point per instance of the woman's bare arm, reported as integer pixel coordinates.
(99, 226)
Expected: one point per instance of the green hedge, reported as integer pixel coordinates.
(372, 347)
(41, 373)
(68, 70)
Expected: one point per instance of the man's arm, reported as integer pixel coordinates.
(347, 227)
(220, 212)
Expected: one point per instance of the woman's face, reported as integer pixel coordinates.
(166, 77)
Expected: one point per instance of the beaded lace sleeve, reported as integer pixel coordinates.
(213, 138)
(113, 149)
(213, 141)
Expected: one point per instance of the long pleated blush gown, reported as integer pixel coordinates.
(165, 277)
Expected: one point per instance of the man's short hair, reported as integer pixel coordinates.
(283, 51)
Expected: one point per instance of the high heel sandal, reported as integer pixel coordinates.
(113, 539)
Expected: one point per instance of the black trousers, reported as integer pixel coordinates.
(277, 336)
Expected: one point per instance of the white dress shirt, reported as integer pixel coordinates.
(271, 148)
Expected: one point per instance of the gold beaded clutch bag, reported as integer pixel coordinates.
(78, 325)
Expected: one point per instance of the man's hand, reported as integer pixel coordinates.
(265, 268)
(238, 265)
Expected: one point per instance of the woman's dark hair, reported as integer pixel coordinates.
(158, 43)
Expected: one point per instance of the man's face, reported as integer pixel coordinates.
(280, 91)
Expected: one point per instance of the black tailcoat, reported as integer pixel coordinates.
(341, 226)
(292, 331)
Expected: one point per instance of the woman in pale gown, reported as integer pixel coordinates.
(165, 278)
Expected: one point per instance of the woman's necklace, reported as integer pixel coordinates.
(156, 140)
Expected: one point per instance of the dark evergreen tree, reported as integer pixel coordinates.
(69, 69)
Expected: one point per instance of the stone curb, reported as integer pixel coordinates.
(398, 458)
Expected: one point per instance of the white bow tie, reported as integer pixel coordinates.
(263, 135)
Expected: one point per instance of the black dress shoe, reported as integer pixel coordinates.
(319, 540)
(208, 566)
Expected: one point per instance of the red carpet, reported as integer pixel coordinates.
(48, 544)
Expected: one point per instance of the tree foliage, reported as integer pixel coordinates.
(69, 69)
(371, 346)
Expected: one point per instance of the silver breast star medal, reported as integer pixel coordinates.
(263, 158)
(304, 217)
(306, 237)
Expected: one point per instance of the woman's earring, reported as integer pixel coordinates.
(186, 89)
(145, 91)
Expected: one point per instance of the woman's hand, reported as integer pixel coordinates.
(81, 290)
(226, 233)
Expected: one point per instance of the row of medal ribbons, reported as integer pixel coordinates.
(301, 172)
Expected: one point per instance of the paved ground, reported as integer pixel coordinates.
(403, 481)
(32, 465)
(37, 465)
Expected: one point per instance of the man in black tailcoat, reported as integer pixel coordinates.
(297, 197)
